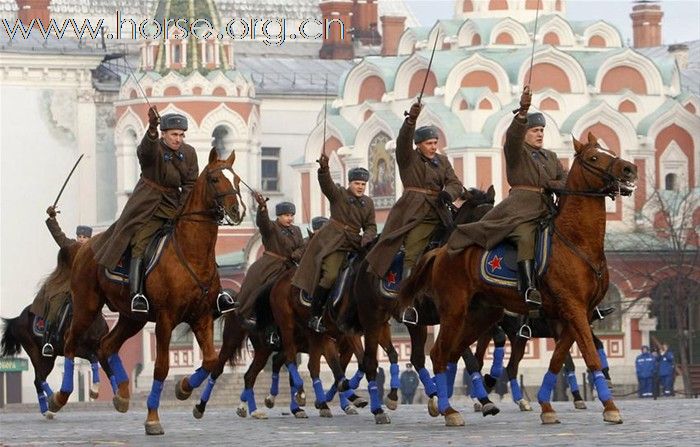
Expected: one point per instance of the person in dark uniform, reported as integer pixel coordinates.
(408, 384)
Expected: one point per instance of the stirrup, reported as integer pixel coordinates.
(47, 350)
(315, 324)
(525, 331)
(225, 302)
(410, 316)
(533, 298)
(273, 339)
(139, 303)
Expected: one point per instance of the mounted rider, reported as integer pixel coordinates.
(429, 184)
(284, 245)
(532, 172)
(55, 291)
(351, 211)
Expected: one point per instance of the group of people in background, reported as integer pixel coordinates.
(655, 372)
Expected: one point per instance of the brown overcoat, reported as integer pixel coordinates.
(525, 166)
(349, 214)
(413, 207)
(164, 184)
(55, 284)
(281, 244)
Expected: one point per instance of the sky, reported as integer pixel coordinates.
(680, 23)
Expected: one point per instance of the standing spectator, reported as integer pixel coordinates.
(380, 382)
(645, 366)
(666, 367)
(409, 383)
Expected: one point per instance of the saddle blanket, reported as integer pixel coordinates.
(499, 266)
(389, 285)
(120, 274)
(38, 326)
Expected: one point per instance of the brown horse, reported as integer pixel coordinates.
(19, 331)
(183, 287)
(572, 286)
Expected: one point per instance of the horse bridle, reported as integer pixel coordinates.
(217, 213)
(611, 188)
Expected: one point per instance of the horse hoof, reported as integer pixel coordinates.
(350, 410)
(612, 416)
(524, 405)
(270, 401)
(54, 405)
(382, 418)
(433, 407)
(300, 397)
(258, 414)
(154, 428)
(197, 413)
(325, 413)
(391, 404)
(301, 414)
(49, 415)
(490, 409)
(180, 392)
(120, 404)
(242, 411)
(94, 391)
(360, 402)
(454, 419)
(549, 417)
(580, 405)
(477, 407)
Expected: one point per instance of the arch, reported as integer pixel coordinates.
(690, 107)
(374, 126)
(133, 94)
(498, 5)
(197, 90)
(617, 124)
(467, 6)
(675, 153)
(514, 29)
(549, 103)
(171, 90)
(468, 34)
(597, 41)
(561, 73)
(407, 42)
(606, 32)
(487, 74)
(548, 76)
(620, 78)
(532, 4)
(557, 31)
(382, 169)
(504, 38)
(363, 82)
(485, 104)
(218, 91)
(480, 78)
(223, 115)
(476, 40)
(410, 75)
(417, 80)
(647, 77)
(671, 182)
(627, 106)
(551, 38)
(371, 89)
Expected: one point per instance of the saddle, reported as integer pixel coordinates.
(120, 274)
(64, 315)
(499, 265)
(341, 282)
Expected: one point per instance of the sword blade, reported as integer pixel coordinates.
(67, 178)
(427, 73)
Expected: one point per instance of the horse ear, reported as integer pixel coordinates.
(231, 158)
(491, 193)
(592, 140)
(213, 155)
(577, 144)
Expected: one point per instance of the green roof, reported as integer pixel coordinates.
(647, 121)
(473, 94)
(572, 119)
(347, 130)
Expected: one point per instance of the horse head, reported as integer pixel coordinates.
(598, 171)
(476, 204)
(223, 189)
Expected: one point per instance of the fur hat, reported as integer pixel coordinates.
(535, 120)
(83, 230)
(360, 174)
(173, 121)
(425, 133)
(317, 222)
(285, 208)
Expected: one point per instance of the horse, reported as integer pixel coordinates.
(183, 287)
(572, 286)
(19, 333)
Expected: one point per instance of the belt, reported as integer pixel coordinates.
(344, 226)
(430, 192)
(155, 185)
(528, 188)
(275, 255)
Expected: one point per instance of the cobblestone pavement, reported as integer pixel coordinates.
(671, 422)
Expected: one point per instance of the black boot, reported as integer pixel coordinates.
(139, 303)
(47, 348)
(526, 283)
(225, 302)
(317, 305)
(601, 312)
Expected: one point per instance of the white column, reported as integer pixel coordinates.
(86, 141)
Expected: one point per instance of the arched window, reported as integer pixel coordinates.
(596, 41)
(671, 181)
(371, 89)
(549, 104)
(622, 77)
(219, 91)
(496, 5)
(551, 38)
(627, 106)
(480, 78)
(504, 38)
(171, 91)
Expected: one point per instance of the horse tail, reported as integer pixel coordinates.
(10, 344)
(419, 280)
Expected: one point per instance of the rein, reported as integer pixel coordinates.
(608, 190)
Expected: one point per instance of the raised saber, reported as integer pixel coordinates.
(532, 54)
(427, 73)
(66, 181)
(140, 87)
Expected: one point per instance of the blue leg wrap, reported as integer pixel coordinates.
(294, 374)
(331, 392)
(275, 385)
(451, 374)
(573, 383)
(603, 358)
(394, 370)
(355, 381)
(374, 402)
(478, 386)
(497, 365)
(113, 382)
(153, 401)
(427, 381)
(293, 405)
(117, 368)
(47, 389)
(95, 372)
(443, 400)
(318, 391)
(601, 386)
(248, 396)
(515, 390)
(43, 406)
(67, 384)
(548, 382)
(344, 401)
(196, 379)
(207, 390)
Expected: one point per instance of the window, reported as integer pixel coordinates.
(671, 182)
(177, 54)
(269, 168)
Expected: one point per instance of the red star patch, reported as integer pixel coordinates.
(391, 278)
(495, 263)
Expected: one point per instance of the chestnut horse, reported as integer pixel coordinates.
(574, 283)
(182, 287)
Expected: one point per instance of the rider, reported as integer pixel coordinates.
(429, 184)
(284, 245)
(351, 211)
(56, 291)
(531, 171)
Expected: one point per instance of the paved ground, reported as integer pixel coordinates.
(671, 422)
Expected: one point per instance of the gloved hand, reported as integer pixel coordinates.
(366, 240)
(525, 100)
(51, 211)
(262, 201)
(444, 197)
(414, 112)
(323, 162)
(153, 119)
